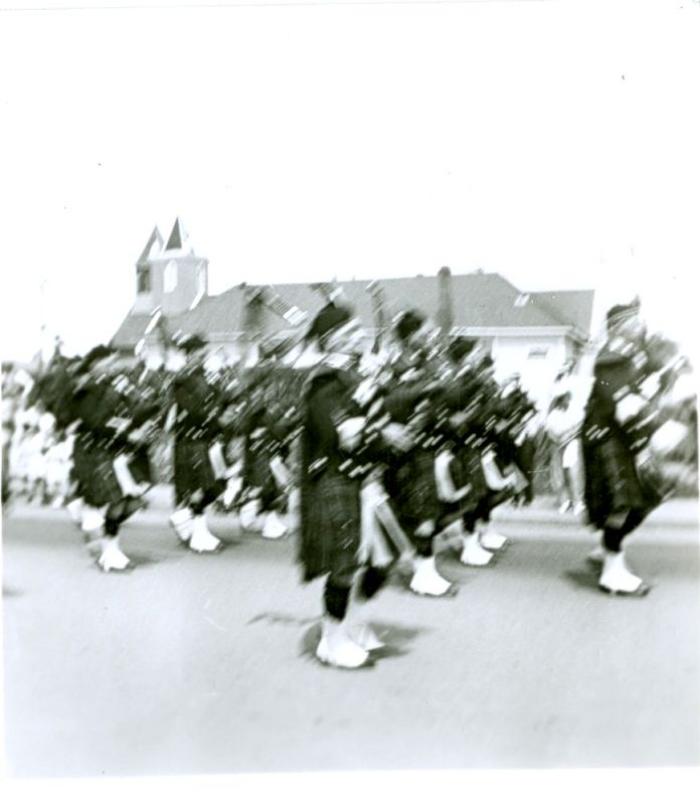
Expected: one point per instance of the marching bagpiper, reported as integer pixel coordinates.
(410, 476)
(199, 467)
(108, 427)
(497, 429)
(625, 426)
(517, 443)
(266, 426)
(335, 458)
(461, 481)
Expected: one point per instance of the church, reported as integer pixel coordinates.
(529, 333)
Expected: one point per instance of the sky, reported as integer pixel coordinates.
(557, 143)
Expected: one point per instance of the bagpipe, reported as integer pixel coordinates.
(477, 411)
(382, 536)
(288, 350)
(655, 407)
(275, 369)
(141, 417)
(272, 383)
(137, 423)
(54, 387)
(664, 430)
(400, 387)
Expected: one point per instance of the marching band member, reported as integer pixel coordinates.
(459, 473)
(106, 420)
(410, 476)
(518, 436)
(199, 467)
(265, 427)
(332, 467)
(622, 422)
(496, 429)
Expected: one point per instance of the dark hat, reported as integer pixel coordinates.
(95, 354)
(619, 313)
(190, 343)
(328, 319)
(408, 323)
(460, 347)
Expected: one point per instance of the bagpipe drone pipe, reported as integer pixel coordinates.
(271, 367)
(148, 414)
(495, 418)
(271, 386)
(54, 389)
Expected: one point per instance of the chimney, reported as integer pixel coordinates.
(445, 314)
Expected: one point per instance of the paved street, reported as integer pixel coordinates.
(203, 664)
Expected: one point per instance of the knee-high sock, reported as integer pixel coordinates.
(372, 580)
(424, 546)
(335, 599)
(613, 537)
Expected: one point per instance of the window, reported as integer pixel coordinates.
(521, 300)
(170, 277)
(143, 279)
(537, 352)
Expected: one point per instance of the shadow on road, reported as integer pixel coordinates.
(146, 559)
(397, 639)
(584, 579)
(280, 618)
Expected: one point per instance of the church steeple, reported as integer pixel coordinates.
(169, 274)
(178, 239)
(153, 246)
(145, 279)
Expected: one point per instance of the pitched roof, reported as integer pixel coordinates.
(177, 237)
(131, 330)
(480, 300)
(572, 307)
(153, 245)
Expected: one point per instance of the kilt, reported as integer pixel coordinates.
(93, 471)
(613, 484)
(258, 475)
(411, 486)
(140, 465)
(330, 525)
(469, 470)
(193, 472)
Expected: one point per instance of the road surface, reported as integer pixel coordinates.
(203, 664)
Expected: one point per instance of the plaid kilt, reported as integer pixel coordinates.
(193, 472)
(411, 486)
(468, 469)
(613, 484)
(330, 524)
(140, 465)
(465, 469)
(258, 475)
(93, 471)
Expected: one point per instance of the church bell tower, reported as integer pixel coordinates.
(169, 274)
